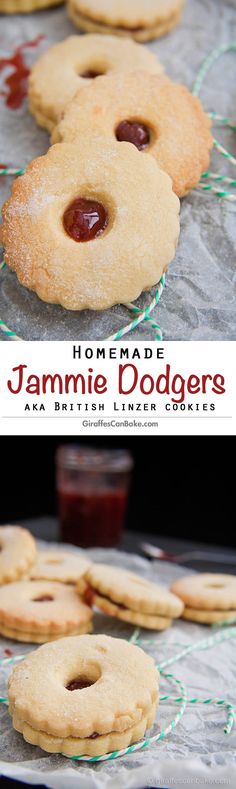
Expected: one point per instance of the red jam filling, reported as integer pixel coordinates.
(79, 684)
(44, 598)
(90, 74)
(91, 592)
(85, 219)
(88, 595)
(133, 131)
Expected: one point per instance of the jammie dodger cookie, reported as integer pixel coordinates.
(208, 597)
(25, 6)
(39, 611)
(155, 114)
(139, 19)
(102, 696)
(63, 566)
(128, 597)
(91, 225)
(17, 553)
(74, 63)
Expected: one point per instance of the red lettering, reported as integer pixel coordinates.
(125, 368)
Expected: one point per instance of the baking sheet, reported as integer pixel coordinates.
(200, 296)
(197, 752)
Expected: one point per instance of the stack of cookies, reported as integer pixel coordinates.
(141, 19)
(102, 696)
(128, 597)
(39, 611)
(209, 598)
(112, 230)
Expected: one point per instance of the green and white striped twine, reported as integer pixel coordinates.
(182, 699)
(226, 122)
(204, 185)
(3, 327)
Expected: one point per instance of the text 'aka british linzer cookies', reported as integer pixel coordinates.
(155, 114)
(139, 19)
(86, 695)
(26, 6)
(76, 62)
(91, 225)
(39, 611)
(208, 597)
(128, 597)
(17, 553)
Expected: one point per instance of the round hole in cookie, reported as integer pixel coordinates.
(54, 561)
(135, 132)
(91, 74)
(79, 683)
(85, 219)
(44, 598)
(215, 586)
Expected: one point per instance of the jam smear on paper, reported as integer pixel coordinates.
(16, 82)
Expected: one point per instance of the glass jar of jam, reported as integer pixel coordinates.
(92, 490)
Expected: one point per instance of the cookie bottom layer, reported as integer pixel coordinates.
(141, 34)
(89, 746)
(25, 6)
(208, 617)
(42, 638)
(45, 121)
(148, 621)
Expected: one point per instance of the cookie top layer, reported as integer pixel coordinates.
(210, 591)
(122, 684)
(74, 62)
(60, 566)
(176, 126)
(136, 593)
(42, 607)
(125, 191)
(135, 13)
(17, 552)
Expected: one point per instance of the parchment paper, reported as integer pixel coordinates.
(196, 753)
(200, 296)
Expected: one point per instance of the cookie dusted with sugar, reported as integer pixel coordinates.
(129, 597)
(75, 62)
(91, 225)
(102, 696)
(63, 566)
(26, 6)
(155, 114)
(139, 19)
(39, 611)
(208, 597)
(17, 553)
